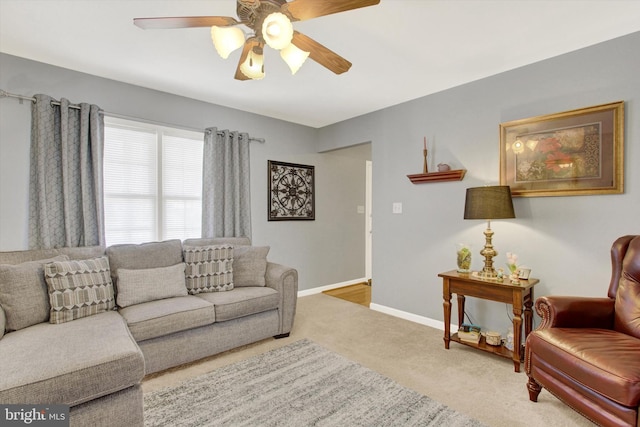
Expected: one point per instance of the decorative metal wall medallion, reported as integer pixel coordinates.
(291, 191)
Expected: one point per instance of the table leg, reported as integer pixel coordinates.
(528, 314)
(461, 300)
(517, 328)
(446, 295)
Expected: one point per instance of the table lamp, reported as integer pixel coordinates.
(492, 202)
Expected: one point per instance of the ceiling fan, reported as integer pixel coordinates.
(270, 21)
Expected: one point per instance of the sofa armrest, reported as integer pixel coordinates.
(284, 280)
(575, 312)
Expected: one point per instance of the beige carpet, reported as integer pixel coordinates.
(480, 385)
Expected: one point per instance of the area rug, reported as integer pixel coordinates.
(301, 384)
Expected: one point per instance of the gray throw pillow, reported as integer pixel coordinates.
(23, 293)
(78, 288)
(208, 268)
(150, 284)
(250, 265)
(144, 255)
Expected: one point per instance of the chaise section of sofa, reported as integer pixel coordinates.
(92, 364)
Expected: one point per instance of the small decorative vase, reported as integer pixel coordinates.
(508, 342)
(463, 252)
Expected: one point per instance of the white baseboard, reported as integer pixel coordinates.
(321, 289)
(437, 324)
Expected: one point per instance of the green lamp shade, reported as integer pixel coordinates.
(489, 203)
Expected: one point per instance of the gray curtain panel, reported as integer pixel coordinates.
(226, 196)
(66, 183)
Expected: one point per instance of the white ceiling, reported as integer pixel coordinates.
(400, 49)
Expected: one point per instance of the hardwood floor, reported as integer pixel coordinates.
(359, 293)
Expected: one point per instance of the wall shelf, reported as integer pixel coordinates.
(451, 175)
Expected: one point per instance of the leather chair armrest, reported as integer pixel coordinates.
(575, 312)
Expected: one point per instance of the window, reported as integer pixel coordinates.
(152, 182)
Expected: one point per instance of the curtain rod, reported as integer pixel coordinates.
(5, 94)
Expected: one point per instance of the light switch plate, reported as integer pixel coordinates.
(397, 208)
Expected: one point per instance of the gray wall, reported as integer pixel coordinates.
(565, 240)
(325, 251)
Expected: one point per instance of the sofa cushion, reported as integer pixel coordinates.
(249, 265)
(241, 302)
(150, 284)
(23, 293)
(213, 241)
(144, 255)
(208, 268)
(83, 252)
(163, 317)
(19, 257)
(94, 356)
(602, 360)
(78, 288)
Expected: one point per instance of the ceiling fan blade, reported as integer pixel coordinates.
(248, 45)
(184, 22)
(323, 56)
(301, 10)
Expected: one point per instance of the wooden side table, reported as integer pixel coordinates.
(520, 296)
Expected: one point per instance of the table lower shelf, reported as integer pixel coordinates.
(500, 350)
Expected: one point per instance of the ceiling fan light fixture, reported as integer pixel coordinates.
(253, 66)
(226, 39)
(294, 57)
(277, 30)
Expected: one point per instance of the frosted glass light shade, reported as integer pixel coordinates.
(226, 39)
(277, 30)
(253, 66)
(294, 57)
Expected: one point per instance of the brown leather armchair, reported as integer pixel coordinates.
(586, 351)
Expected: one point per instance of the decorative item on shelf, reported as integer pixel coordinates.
(493, 338)
(444, 172)
(512, 264)
(425, 168)
(488, 203)
(524, 273)
(463, 252)
(508, 342)
(469, 333)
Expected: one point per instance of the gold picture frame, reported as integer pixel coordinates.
(574, 153)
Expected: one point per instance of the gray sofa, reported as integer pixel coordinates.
(96, 357)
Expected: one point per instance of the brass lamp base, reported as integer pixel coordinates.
(488, 252)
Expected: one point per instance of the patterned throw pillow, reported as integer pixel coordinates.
(78, 288)
(209, 268)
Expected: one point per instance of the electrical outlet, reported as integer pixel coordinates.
(397, 208)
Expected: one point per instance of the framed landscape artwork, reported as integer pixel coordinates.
(291, 191)
(578, 152)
